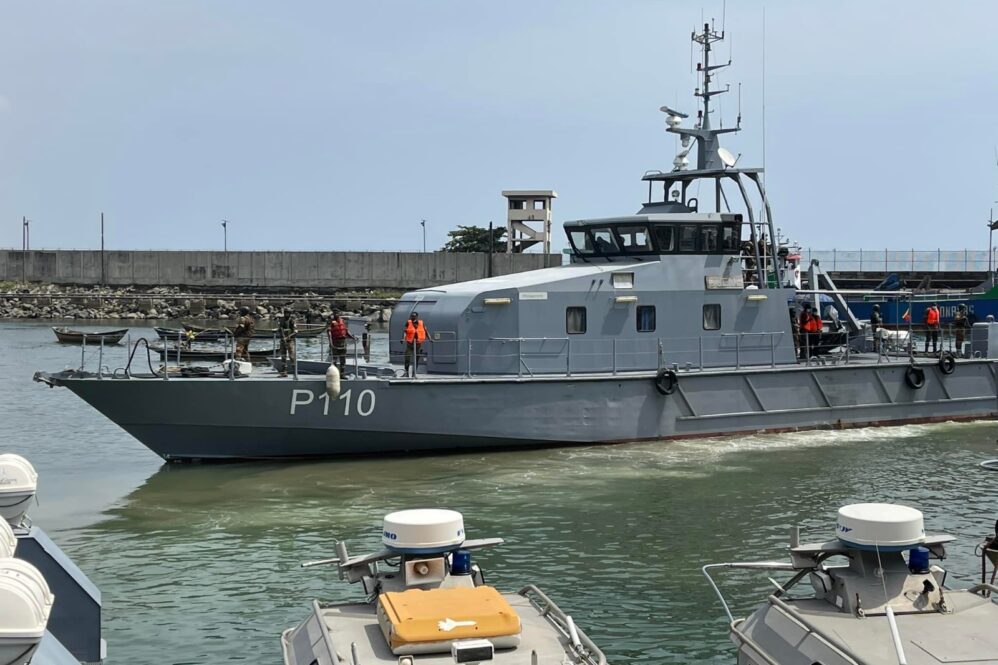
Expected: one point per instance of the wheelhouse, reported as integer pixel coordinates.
(655, 235)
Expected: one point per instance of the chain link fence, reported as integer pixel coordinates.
(899, 260)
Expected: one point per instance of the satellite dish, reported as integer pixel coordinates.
(726, 157)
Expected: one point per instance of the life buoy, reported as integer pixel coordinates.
(947, 363)
(914, 377)
(666, 381)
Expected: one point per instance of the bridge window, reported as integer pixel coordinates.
(517, 204)
(646, 318)
(712, 317)
(580, 241)
(731, 238)
(666, 236)
(634, 238)
(688, 238)
(575, 320)
(708, 239)
(604, 241)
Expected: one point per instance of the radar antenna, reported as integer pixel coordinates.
(707, 141)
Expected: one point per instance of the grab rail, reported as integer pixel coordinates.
(583, 647)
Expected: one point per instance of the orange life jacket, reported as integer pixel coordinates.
(415, 332)
(810, 323)
(338, 330)
(932, 316)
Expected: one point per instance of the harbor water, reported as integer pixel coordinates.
(200, 563)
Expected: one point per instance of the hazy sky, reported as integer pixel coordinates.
(334, 125)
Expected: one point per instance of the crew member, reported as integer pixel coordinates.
(338, 336)
(415, 335)
(245, 325)
(288, 328)
(875, 324)
(932, 327)
(810, 326)
(961, 323)
(365, 342)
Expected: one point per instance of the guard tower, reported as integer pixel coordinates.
(528, 210)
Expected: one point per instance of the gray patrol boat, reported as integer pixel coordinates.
(673, 322)
(871, 595)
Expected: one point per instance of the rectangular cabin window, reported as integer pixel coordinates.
(538, 204)
(634, 238)
(517, 204)
(646, 318)
(665, 234)
(711, 317)
(575, 320)
(688, 238)
(623, 280)
(604, 240)
(580, 241)
(731, 240)
(708, 239)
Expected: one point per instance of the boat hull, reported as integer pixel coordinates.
(268, 418)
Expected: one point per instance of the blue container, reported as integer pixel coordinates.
(461, 563)
(918, 560)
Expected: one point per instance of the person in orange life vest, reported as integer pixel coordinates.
(810, 327)
(932, 327)
(338, 336)
(415, 335)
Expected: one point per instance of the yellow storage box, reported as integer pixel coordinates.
(417, 621)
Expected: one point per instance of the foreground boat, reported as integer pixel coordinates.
(871, 605)
(427, 602)
(70, 336)
(673, 322)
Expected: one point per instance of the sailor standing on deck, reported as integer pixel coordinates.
(875, 324)
(810, 326)
(338, 336)
(243, 333)
(932, 327)
(415, 335)
(288, 328)
(960, 325)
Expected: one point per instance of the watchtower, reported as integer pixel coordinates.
(528, 209)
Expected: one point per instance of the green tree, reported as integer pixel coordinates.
(475, 239)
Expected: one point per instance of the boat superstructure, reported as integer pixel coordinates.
(870, 595)
(676, 321)
(427, 602)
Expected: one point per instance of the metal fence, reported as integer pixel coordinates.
(899, 260)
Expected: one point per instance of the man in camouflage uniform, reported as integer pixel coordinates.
(243, 333)
(288, 328)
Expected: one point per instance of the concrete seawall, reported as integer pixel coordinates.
(267, 270)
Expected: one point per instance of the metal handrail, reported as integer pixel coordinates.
(587, 649)
(830, 641)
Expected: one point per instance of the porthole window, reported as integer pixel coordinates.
(646, 318)
(711, 317)
(575, 320)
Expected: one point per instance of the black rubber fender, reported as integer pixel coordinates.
(914, 377)
(666, 381)
(947, 363)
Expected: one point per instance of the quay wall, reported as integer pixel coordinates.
(268, 270)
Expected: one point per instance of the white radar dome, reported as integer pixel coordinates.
(18, 483)
(884, 526)
(423, 531)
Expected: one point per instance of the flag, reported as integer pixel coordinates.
(907, 314)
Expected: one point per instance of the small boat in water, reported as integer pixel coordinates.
(865, 602)
(426, 601)
(171, 352)
(70, 336)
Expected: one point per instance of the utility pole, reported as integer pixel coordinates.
(423, 224)
(225, 235)
(492, 243)
(25, 246)
(103, 274)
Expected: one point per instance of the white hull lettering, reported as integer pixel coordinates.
(363, 406)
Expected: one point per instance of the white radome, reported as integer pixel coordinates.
(884, 525)
(18, 484)
(423, 530)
